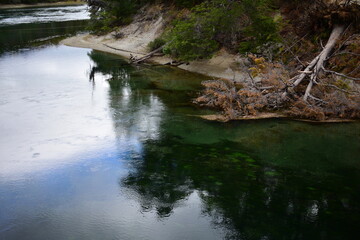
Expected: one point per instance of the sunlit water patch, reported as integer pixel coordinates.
(43, 14)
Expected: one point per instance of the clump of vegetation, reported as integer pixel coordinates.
(262, 27)
(260, 94)
(221, 23)
(194, 36)
(107, 14)
(156, 44)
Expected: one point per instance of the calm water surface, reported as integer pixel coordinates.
(123, 156)
(43, 14)
(27, 27)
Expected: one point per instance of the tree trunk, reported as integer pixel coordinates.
(316, 66)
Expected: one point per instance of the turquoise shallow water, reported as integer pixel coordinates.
(123, 156)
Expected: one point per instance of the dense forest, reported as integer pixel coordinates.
(304, 55)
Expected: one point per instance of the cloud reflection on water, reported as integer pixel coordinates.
(52, 113)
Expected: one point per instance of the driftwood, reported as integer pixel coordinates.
(316, 66)
(147, 56)
(175, 63)
(122, 50)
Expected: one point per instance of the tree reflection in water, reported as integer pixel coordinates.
(251, 198)
(241, 194)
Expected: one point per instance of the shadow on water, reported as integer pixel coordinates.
(251, 199)
(258, 180)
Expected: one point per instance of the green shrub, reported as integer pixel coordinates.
(241, 25)
(158, 42)
(187, 3)
(196, 36)
(186, 42)
(262, 28)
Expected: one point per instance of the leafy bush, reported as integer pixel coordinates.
(188, 41)
(111, 13)
(225, 23)
(195, 37)
(158, 42)
(262, 28)
(186, 3)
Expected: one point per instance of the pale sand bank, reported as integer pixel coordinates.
(147, 27)
(222, 65)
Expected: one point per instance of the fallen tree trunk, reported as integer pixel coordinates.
(149, 55)
(316, 66)
(122, 50)
(319, 67)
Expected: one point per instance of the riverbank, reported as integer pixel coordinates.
(145, 28)
(132, 42)
(12, 6)
(222, 65)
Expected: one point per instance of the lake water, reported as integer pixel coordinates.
(124, 155)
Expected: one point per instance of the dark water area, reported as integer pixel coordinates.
(123, 155)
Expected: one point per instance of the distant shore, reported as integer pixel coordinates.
(12, 6)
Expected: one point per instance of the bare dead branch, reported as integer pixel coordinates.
(341, 75)
(337, 88)
(341, 53)
(289, 48)
(317, 99)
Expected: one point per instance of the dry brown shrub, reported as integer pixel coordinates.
(333, 98)
(302, 109)
(223, 96)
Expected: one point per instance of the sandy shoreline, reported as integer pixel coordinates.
(12, 6)
(222, 65)
(148, 26)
